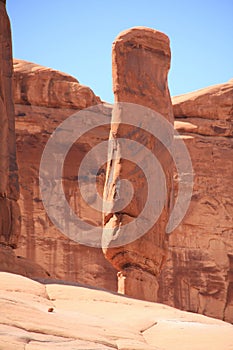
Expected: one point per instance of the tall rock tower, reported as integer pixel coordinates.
(9, 189)
(140, 61)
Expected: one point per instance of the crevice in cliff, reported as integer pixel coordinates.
(141, 46)
(135, 266)
(107, 218)
(229, 292)
(197, 118)
(209, 137)
(118, 216)
(112, 157)
(135, 262)
(127, 214)
(227, 301)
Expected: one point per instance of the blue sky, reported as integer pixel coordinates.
(75, 36)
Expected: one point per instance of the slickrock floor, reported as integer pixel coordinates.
(36, 316)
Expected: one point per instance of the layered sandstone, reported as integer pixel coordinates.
(141, 60)
(40, 316)
(41, 86)
(9, 189)
(44, 98)
(198, 275)
(214, 103)
(10, 262)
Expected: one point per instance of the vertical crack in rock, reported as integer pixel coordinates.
(140, 64)
(228, 307)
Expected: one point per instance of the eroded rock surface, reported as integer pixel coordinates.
(44, 99)
(141, 60)
(198, 275)
(41, 86)
(213, 102)
(42, 316)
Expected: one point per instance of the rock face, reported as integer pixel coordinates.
(41, 86)
(9, 189)
(214, 103)
(10, 216)
(42, 316)
(198, 275)
(44, 98)
(141, 60)
(10, 262)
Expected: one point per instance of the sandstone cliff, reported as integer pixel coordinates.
(198, 275)
(10, 216)
(9, 189)
(141, 60)
(43, 99)
(41, 86)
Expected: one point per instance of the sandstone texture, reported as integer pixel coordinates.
(141, 61)
(41, 86)
(198, 275)
(44, 98)
(10, 262)
(36, 316)
(196, 262)
(211, 103)
(9, 189)
(10, 216)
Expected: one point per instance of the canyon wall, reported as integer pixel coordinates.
(43, 99)
(198, 275)
(10, 216)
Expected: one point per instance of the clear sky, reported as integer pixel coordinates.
(75, 36)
